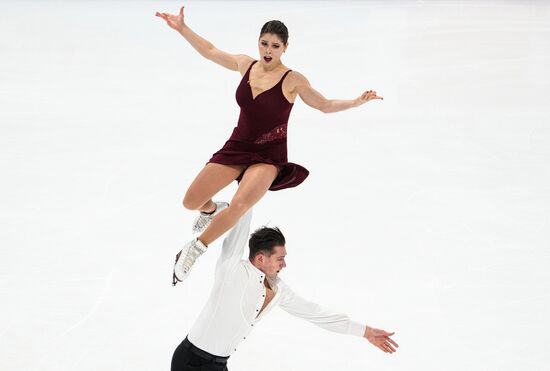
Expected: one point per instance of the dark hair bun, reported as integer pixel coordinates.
(277, 28)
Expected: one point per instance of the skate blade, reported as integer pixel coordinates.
(175, 279)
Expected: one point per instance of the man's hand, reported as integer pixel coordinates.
(381, 339)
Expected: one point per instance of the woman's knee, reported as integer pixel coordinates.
(191, 202)
(238, 207)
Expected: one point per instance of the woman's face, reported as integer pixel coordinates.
(271, 48)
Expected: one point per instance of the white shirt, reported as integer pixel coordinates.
(237, 297)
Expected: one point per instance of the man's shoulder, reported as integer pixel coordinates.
(282, 284)
(236, 268)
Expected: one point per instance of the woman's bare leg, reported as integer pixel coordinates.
(212, 179)
(255, 183)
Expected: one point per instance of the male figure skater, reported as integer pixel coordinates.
(244, 292)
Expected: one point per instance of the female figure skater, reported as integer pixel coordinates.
(256, 153)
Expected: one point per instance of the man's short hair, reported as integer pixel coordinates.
(263, 240)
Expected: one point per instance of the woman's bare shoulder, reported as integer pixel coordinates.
(295, 78)
(243, 62)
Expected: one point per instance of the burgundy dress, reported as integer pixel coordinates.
(260, 135)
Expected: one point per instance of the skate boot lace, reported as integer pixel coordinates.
(202, 221)
(192, 254)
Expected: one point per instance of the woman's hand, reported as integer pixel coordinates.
(367, 96)
(381, 339)
(174, 21)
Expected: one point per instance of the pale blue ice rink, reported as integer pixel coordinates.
(427, 213)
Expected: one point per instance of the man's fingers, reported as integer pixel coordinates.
(181, 10)
(387, 348)
(382, 348)
(393, 342)
(382, 344)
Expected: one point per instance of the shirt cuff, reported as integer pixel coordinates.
(356, 329)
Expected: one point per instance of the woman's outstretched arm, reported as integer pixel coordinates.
(316, 100)
(204, 47)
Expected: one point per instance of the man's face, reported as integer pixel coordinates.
(271, 265)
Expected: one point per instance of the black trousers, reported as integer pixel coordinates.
(188, 357)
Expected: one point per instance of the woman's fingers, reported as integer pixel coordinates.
(370, 95)
(164, 15)
(169, 18)
(181, 11)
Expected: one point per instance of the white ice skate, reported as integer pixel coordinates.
(185, 260)
(203, 220)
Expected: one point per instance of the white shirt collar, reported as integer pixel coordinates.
(262, 276)
(256, 271)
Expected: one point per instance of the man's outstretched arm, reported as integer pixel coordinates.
(333, 321)
(236, 241)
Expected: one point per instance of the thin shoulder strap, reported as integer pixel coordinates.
(282, 78)
(250, 67)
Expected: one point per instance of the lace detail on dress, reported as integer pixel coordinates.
(278, 132)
